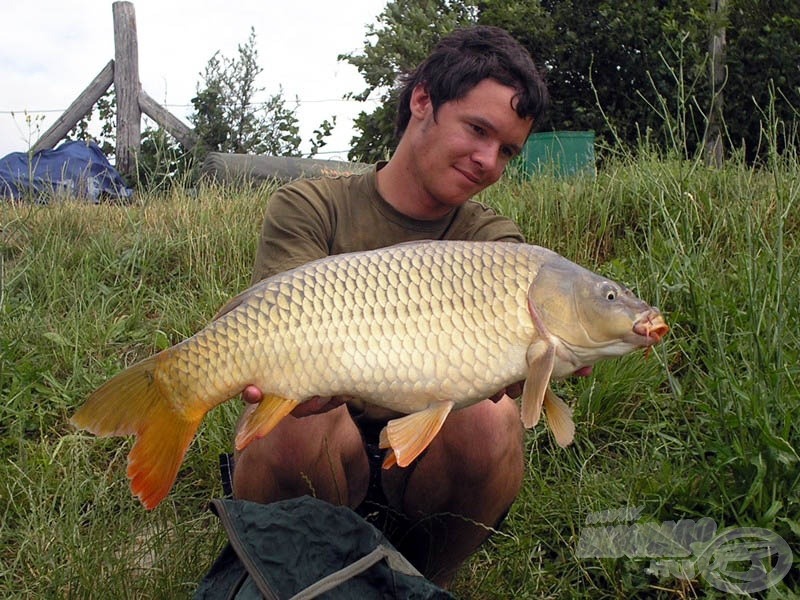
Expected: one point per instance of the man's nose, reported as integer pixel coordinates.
(487, 156)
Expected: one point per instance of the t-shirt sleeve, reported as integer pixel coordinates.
(296, 229)
(482, 224)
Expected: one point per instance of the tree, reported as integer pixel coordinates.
(227, 118)
(763, 74)
(613, 67)
(612, 54)
(634, 71)
(405, 34)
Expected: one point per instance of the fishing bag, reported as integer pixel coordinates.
(306, 548)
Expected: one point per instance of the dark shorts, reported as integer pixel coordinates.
(375, 508)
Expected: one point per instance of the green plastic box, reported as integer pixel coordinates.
(560, 153)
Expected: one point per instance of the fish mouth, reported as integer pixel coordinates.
(651, 327)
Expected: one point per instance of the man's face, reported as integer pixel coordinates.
(467, 145)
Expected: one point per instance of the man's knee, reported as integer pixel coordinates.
(320, 455)
(474, 466)
(485, 441)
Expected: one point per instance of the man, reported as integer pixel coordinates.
(464, 113)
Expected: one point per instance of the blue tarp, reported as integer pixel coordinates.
(74, 169)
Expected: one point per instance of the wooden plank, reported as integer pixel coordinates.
(174, 126)
(77, 110)
(126, 87)
(713, 142)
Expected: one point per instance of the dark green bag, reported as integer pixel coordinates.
(305, 548)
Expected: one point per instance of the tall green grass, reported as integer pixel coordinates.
(704, 427)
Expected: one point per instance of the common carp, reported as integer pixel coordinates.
(420, 328)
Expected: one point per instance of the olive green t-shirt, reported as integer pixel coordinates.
(313, 218)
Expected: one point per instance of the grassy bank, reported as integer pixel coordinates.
(706, 427)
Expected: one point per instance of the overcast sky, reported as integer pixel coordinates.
(50, 50)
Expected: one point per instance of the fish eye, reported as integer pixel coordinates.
(611, 295)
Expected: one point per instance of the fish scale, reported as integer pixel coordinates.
(419, 328)
(348, 327)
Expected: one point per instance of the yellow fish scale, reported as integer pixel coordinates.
(400, 327)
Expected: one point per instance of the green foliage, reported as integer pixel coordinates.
(323, 131)
(704, 427)
(606, 60)
(162, 161)
(763, 54)
(226, 117)
(630, 71)
(106, 108)
(406, 31)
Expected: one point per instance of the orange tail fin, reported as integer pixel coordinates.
(135, 403)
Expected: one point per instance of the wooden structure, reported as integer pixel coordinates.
(717, 74)
(123, 72)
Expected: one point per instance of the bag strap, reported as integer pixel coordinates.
(395, 560)
(241, 549)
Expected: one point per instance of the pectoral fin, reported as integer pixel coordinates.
(408, 436)
(259, 419)
(541, 358)
(559, 417)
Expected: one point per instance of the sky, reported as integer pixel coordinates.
(50, 50)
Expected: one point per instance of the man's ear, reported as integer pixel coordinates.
(420, 103)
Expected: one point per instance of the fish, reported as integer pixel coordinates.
(420, 328)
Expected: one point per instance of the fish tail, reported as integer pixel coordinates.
(135, 402)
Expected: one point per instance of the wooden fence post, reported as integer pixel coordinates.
(713, 142)
(77, 110)
(132, 100)
(126, 87)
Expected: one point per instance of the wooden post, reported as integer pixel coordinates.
(126, 87)
(714, 146)
(167, 120)
(81, 106)
(132, 100)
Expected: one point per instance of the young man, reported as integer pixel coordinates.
(464, 113)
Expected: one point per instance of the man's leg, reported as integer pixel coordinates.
(463, 485)
(321, 455)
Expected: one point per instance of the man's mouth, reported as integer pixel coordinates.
(472, 177)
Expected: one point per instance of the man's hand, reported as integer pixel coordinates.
(512, 391)
(315, 405)
(320, 404)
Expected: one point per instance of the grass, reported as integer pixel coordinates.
(706, 427)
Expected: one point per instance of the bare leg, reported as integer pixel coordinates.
(321, 455)
(462, 486)
(449, 498)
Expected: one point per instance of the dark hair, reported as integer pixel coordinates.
(464, 58)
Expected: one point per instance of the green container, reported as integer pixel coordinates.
(560, 153)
